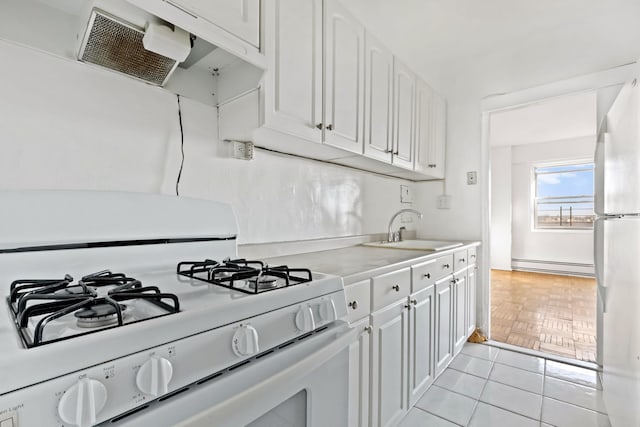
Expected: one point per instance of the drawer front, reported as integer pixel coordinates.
(443, 266)
(472, 253)
(460, 260)
(425, 274)
(358, 300)
(389, 288)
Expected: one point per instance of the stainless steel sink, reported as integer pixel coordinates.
(417, 245)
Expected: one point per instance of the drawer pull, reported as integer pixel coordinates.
(446, 266)
(427, 276)
(473, 256)
(462, 260)
(368, 329)
(407, 306)
(353, 305)
(414, 301)
(396, 288)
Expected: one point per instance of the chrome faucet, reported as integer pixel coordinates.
(395, 236)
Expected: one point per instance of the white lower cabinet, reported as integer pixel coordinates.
(359, 376)
(421, 342)
(471, 298)
(421, 317)
(444, 323)
(460, 309)
(389, 351)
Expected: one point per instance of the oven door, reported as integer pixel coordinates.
(305, 383)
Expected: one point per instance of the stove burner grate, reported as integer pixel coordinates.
(251, 277)
(53, 299)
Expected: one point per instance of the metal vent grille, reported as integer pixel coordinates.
(117, 46)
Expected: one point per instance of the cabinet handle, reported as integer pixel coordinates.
(319, 126)
(427, 276)
(414, 301)
(473, 256)
(396, 288)
(407, 306)
(329, 127)
(353, 304)
(368, 329)
(432, 165)
(462, 260)
(446, 266)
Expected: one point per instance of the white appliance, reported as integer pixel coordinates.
(119, 310)
(617, 256)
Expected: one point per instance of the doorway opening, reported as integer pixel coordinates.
(543, 290)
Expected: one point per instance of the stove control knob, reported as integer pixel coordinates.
(82, 402)
(154, 376)
(245, 341)
(327, 311)
(304, 320)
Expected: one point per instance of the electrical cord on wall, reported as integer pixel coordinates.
(181, 147)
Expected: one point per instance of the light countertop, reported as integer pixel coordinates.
(356, 263)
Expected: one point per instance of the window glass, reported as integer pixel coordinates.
(564, 196)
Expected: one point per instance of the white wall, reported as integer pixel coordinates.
(501, 208)
(66, 125)
(463, 154)
(566, 246)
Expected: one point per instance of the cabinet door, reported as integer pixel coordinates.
(344, 79)
(240, 18)
(460, 310)
(378, 91)
(444, 322)
(293, 81)
(421, 343)
(424, 128)
(404, 88)
(359, 377)
(430, 131)
(471, 298)
(389, 364)
(437, 139)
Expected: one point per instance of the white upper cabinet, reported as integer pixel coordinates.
(403, 115)
(239, 17)
(293, 90)
(378, 93)
(430, 131)
(344, 79)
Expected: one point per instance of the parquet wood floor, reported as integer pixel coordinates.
(545, 312)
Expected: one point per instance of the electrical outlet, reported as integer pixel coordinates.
(242, 150)
(406, 195)
(444, 201)
(472, 178)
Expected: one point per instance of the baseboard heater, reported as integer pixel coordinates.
(552, 267)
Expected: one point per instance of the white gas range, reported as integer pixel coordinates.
(133, 309)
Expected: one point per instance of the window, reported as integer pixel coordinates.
(564, 197)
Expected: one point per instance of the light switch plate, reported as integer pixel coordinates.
(472, 178)
(444, 201)
(406, 195)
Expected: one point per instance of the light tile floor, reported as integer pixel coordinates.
(550, 313)
(485, 387)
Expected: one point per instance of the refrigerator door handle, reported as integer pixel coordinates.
(598, 259)
(602, 295)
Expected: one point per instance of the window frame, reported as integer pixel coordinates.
(535, 199)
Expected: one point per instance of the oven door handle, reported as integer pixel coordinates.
(230, 408)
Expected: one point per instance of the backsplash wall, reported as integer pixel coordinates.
(66, 125)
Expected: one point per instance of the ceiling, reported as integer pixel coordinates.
(557, 119)
(499, 46)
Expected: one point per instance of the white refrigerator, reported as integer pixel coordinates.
(617, 256)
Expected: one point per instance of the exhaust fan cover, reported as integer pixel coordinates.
(117, 45)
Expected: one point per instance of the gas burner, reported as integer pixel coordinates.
(99, 315)
(42, 307)
(263, 282)
(251, 277)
